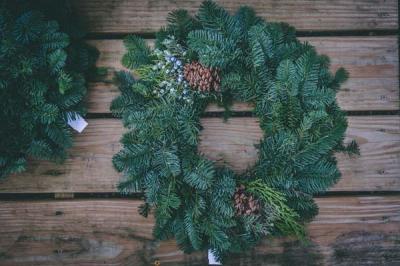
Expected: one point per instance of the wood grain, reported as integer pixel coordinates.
(146, 16)
(89, 168)
(371, 61)
(111, 232)
(349, 230)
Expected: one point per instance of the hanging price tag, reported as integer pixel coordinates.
(78, 123)
(211, 259)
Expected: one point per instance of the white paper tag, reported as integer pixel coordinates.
(78, 123)
(211, 259)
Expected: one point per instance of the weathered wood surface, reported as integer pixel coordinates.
(89, 168)
(378, 167)
(105, 16)
(371, 61)
(348, 231)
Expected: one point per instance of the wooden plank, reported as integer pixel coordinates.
(378, 167)
(348, 230)
(146, 16)
(85, 232)
(371, 61)
(89, 168)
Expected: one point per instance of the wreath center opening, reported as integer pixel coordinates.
(231, 143)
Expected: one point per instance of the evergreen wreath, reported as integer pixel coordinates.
(217, 57)
(43, 64)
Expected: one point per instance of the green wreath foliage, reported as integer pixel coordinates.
(43, 65)
(258, 62)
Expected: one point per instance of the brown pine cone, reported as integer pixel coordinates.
(245, 204)
(200, 77)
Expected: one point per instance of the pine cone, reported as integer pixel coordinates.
(245, 204)
(200, 77)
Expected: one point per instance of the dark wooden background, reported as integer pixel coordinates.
(71, 214)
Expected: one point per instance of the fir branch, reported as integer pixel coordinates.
(138, 52)
(287, 218)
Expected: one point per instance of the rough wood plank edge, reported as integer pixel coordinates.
(89, 168)
(371, 61)
(146, 16)
(348, 230)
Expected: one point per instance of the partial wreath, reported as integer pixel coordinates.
(44, 63)
(223, 58)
